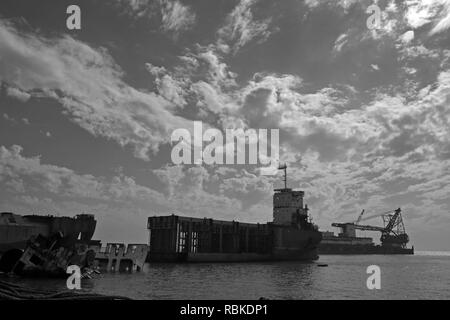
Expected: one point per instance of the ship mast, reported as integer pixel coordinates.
(284, 167)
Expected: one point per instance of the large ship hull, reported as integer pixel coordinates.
(184, 239)
(290, 236)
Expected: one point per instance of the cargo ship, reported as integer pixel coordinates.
(290, 236)
(393, 237)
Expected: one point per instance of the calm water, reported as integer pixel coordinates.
(422, 276)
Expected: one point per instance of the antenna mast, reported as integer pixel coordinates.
(284, 167)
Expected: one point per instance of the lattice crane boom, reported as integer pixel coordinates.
(393, 231)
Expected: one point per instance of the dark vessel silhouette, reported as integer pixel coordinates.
(393, 237)
(290, 236)
(16, 230)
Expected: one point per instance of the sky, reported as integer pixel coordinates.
(86, 116)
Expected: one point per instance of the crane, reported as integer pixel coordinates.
(393, 233)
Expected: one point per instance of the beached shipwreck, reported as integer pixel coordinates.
(36, 245)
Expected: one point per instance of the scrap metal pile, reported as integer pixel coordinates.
(50, 256)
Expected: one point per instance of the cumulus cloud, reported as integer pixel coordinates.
(89, 85)
(187, 189)
(32, 185)
(202, 78)
(191, 191)
(400, 144)
(62, 182)
(121, 206)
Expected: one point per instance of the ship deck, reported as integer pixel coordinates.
(177, 238)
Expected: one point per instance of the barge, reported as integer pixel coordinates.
(393, 239)
(290, 236)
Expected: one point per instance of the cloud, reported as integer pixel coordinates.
(30, 185)
(17, 94)
(245, 183)
(344, 4)
(420, 13)
(176, 17)
(444, 22)
(172, 89)
(201, 80)
(346, 157)
(241, 27)
(209, 97)
(89, 85)
(404, 143)
(425, 12)
(190, 190)
(28, 176)
(121, 206)
(340, 42)
(407, 37)
(8, 118)
(217, 71)
(58, 182)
